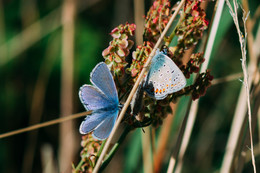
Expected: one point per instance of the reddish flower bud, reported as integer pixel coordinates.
(134, 72)
(106, 51)
(123, 43)
(120, 52)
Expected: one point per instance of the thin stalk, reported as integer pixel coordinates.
(67, 133)
(164, 138)
(172, 35)
(79, 165)
(194, 105)
(115, 148)
(147, 149)
(100, 150)
(146, 141)
(245, 153)
(45, 124)
(228, 78)
(139, 20)
(141, 76)
(228, 159)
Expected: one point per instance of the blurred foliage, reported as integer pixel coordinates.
(20, 74)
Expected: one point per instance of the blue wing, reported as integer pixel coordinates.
(102, 79)
(104, 129)
(101, 122)
(93, 99)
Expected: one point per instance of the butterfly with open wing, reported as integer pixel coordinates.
(102, 99)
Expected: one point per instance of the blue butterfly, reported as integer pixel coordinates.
(102, 99)
(164, 77)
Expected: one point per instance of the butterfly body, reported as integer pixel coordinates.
(102, 99)
(164, 77)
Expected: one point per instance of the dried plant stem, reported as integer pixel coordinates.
(187, 133)
(146, 141)
(67, 131)
(194, 105)
(45, 124)
(164, 138)
(212, 35)
(139, 20)
(227, 162)
(250, 37)
(245, 153)
(178, 141)
(227, 78)
(121, 115)
(147, 149)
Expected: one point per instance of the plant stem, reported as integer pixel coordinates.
(169, 40)
(79, 165)
(140, 78)
(100, 150)
(114, 149)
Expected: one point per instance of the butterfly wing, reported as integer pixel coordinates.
(92, 121)
(102, 79)
(177, 80)
(104, 129)
(93, 99)
(137, 100)
(164, 77)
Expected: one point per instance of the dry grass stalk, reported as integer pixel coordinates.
(121, 115)
(45, 124)
(67, 132)
(194, 105)
(163, 138)
(146, 140)
(227, 78)
(246, 83)
(245, 154)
